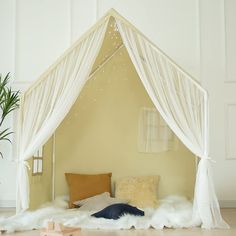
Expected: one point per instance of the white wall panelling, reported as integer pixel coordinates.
(7, 36)
(230, 131)
(42, 34)
(199, 35)
(7, 64)
(216, 34)
(230, 39)
(33, 34)
(83, 15)
(172, 25)
(104, 5)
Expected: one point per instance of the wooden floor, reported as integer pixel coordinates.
(228, 214)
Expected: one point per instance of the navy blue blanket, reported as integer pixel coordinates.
(115, 211)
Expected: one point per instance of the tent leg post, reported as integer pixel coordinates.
(53, 164)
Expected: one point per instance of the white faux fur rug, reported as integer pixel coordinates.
(174, 212)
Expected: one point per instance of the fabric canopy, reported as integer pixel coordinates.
(181, 101)
(45, 105)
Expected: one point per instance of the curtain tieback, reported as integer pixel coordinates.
(25, 163)
(208, 158)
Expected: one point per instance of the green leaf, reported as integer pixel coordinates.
(3, 83)
(9, 101)
(4, 134)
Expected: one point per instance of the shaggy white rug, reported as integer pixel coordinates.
(174, 212)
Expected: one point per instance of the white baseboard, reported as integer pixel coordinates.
(227, 203)
(7, 203)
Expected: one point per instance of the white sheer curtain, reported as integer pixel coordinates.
(45, 105)
(183, 104)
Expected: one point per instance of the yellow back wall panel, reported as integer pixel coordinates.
(100, 134)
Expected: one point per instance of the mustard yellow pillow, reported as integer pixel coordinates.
(138, 191)
(83, 186)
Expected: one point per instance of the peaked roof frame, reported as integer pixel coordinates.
(111, 13)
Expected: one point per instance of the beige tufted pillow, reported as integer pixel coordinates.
(138, 191)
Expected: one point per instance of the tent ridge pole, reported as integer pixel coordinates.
(106, 60)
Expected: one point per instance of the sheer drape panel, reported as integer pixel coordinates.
(206, 208)
(183, 105)
(165, 89)
(44, 106)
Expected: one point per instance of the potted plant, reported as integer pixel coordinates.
(9, 101)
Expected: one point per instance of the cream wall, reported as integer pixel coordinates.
(100, 134)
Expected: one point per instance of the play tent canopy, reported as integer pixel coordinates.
(180, 100)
